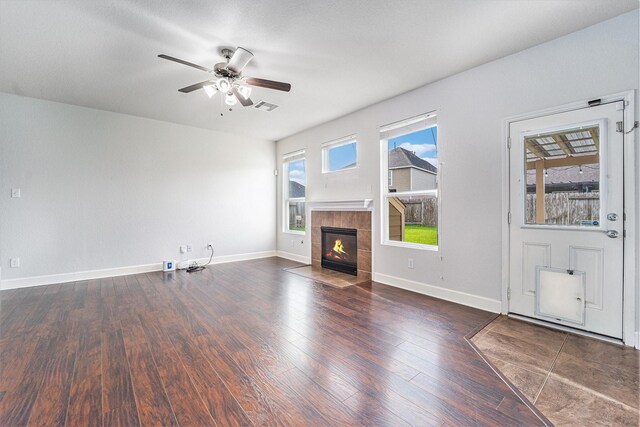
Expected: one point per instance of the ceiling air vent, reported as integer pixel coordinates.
(265, 106)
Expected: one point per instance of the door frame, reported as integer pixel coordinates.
(630, 291)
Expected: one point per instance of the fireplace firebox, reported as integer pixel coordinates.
(340, 249)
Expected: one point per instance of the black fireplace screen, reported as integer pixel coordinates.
(340, 249)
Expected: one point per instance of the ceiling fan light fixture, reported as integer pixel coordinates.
(210, 90)
(223, 84)
(229, 99)
(245, 91)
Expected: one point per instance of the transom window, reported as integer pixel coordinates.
(294, 192)
(410, 191)
(340, 154)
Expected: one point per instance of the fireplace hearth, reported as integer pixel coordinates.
(340, 249)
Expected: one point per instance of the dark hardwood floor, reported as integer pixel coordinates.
(243, 344)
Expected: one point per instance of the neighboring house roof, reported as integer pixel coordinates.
(350, 165)
(296, 189)
(403, 158)
(567, 174)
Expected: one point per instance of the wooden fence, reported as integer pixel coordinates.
(421, 211)
(297, 215)
(565, 208)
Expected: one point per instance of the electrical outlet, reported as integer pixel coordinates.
(189, 248)
(410, 263)
(14, 262)
(183, 249)
(15, 193)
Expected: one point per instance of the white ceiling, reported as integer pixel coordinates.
(338, 55)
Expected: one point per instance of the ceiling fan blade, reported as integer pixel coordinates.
(190, 64)
(197, 86)
(244, 101)
(269, 84)
(239, 60)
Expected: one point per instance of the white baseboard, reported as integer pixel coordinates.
(483, 303)
(234, 258)
(25, 282)
(294, 257)
(637, 343)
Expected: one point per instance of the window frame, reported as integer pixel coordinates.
(286, 159)
(602, 183)
(411, 125)
(336, 143)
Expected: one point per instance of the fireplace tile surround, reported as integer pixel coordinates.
(360, 220)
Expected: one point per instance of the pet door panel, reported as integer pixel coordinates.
(560, 294)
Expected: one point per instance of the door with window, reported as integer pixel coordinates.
(566, 228)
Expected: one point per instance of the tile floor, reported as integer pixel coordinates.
(323, 275)
(572, 380)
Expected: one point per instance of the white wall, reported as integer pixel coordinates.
(471, 106)
(102, 190)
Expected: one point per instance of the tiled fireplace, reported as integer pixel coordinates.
(339, 249)
(353, 246)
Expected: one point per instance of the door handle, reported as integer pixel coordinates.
(612, 233)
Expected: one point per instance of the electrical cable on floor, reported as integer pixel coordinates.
(195, 267)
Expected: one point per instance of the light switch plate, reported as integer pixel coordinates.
(15, 193)
(14, 262)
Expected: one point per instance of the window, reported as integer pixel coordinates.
(294, 192)
(410, 187)
(340, 154)
(563, 177)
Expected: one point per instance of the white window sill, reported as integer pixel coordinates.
(325, 172)
(408, 245)
(299, 233)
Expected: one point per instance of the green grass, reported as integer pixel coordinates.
(423, 234)
(296, 228)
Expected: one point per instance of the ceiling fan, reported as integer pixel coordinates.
(229, 79)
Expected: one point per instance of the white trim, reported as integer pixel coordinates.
(637, 346)
(385, 194)
(237, 257)
(25, 282)
(410, 245)
(294, 257)
(340, 141)
(631, 305)
(416, 193)
(458, 297)
(300, 156)
(294, 156)
(326, 153)
(410, 125)
(341, 205)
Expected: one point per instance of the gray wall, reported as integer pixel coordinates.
(599, 60)
(401, 179)
(102, 190)
(421, 180)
